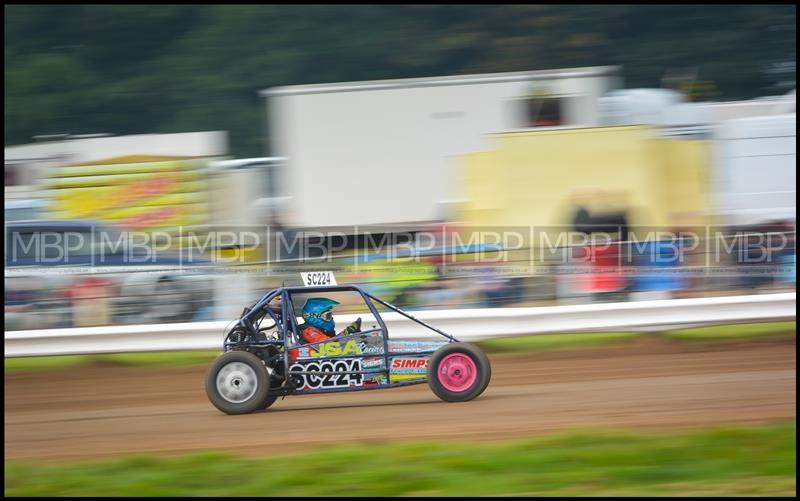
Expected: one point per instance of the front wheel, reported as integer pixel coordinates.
(458, 372)
(269, 401)
(238, 383)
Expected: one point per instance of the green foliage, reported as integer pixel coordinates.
(720, 461)
(129, 69)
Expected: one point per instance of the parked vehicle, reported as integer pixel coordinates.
(27, 208)
(75, 273)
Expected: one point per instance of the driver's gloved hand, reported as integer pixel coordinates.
(353, 327)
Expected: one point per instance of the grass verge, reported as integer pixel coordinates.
(734, 332)
(720, 461)
(541, 342)
(721, 333)
(154, 359)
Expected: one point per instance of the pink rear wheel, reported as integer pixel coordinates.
(458, 372)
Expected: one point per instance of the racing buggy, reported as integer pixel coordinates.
(266, 357)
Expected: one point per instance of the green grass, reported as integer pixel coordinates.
(153, 359)
(733, 332)
(721, 461)
(717, 333)
(539, 342)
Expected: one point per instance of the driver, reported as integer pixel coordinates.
(319, 324)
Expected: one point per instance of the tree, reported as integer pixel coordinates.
(128, 69)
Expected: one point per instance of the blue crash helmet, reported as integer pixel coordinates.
(318, 312)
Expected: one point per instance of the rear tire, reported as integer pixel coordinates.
(459, 372)
(238, 383)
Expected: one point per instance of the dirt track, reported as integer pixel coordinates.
(104, 411)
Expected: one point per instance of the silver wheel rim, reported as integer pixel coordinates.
(236, 382)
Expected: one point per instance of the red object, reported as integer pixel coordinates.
(308, 334)
(312, 335)
(84, 287)
(606, 275)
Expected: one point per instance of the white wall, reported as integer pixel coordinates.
(384, 155)
(37, 158)
(754, 169)
(210, 143)
(772, 105)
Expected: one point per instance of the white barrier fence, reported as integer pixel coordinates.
(464, 324)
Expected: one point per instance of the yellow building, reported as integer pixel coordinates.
(540, 177)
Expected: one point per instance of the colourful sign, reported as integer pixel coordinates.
(134, 195)
(408, 368)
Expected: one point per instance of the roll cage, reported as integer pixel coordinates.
(247, 333)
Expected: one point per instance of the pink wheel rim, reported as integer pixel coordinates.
(457, 372)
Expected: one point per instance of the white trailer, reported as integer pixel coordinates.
(754, 178)
(379, 152)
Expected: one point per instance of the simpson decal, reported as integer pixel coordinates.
(409, 363)
(408, 368)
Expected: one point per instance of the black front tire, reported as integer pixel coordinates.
(471, 359)
(238, 383)
(269, 401)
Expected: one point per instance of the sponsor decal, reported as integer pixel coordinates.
(302, 352)
(371, 350)
(329, 349)
(371, 345)
(415, 345)
(408, 368)
(403, 377)
(328, 381)
(376, 379)
(409, 363)
(371, 363)
(335, 349)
